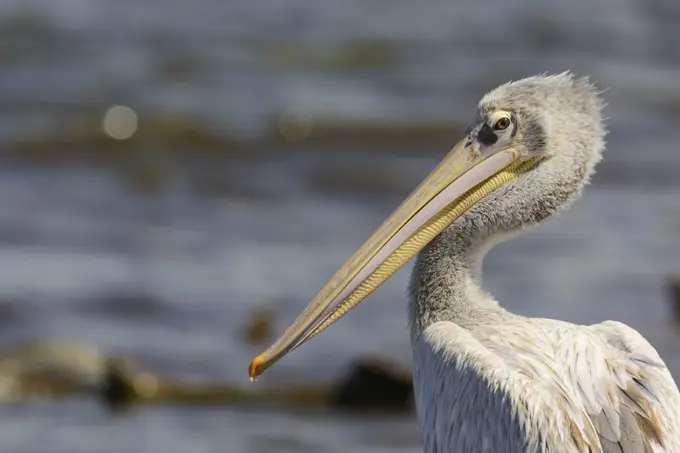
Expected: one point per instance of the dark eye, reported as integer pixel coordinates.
(502, 124)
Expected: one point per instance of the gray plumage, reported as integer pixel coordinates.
(489, 380)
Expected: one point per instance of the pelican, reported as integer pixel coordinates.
(485, 379)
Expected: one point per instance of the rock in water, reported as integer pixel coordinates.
(49, 368)
(674, 285)
(376, 385)
(259, 328)
(123, 384)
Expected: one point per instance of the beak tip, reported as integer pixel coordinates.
(253, 369)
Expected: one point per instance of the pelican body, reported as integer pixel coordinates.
(485, 379)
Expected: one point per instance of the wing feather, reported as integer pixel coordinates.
(646, 389)
(469, 399)
(619, 380)
(562, 387)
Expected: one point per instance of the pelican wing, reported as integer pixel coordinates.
(609, 371)
(545, 384)
(642, 392)
(475, 401)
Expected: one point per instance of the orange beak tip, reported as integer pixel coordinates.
(253, 368)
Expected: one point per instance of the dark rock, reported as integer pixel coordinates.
(674, 286)
(258, 329)
(123, 384)
(116, 388)
(375, 384)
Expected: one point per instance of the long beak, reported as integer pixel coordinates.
(464, 177)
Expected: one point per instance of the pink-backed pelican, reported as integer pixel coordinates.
(485, 379)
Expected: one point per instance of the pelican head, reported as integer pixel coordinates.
(530, 149)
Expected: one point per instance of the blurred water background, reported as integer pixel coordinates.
(169, 167)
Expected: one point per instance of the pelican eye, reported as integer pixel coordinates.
(502, 124)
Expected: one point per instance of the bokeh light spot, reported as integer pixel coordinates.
(120, 122)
